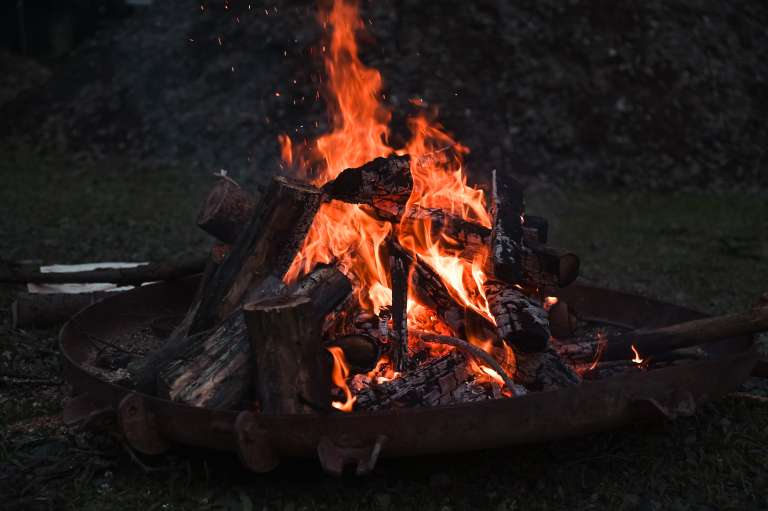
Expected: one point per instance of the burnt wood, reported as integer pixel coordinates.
(507, 207)
(383, 184)
(399, 269)
(544, 370)
(265, 247)
(361, 351)
(467, 238)
(520, 321)
(226, 210)
(546, 266)
(535, 229)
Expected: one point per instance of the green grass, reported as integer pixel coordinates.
(705, 251)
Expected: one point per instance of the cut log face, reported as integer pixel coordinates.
(384, 184)
(226, 210)
(544, 266)
(361, 351)
(266, 247)
(521, 322)
(293, 371)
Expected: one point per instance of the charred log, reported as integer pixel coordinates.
(399, 269)
(361, 351)
(383, 184)
(521, 322)
(507, 237)
(535, 229)
(544, 370)
(467, 237)
(226, 210)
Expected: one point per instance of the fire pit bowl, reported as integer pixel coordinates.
(356, 440)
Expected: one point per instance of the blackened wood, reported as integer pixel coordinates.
(11, 273)
(468, 238)
(521, 321)
(265, 247)
(429, 289)
(226, 210)
(399, 270)
(293, 371)
(545, 266)
(326, 286)
(212, 370)
(507, 207)
(46, 309)
(544, 370)
(535, 229)
(384, 184)
(361, 351)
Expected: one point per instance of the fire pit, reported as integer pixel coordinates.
(373, 303)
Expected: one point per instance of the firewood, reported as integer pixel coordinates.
(45, 309)
(507, 207)
(521, 322)
(535, 229)
(383, 184)
(226, 210)
(266, 247)
(438, 382)
(12, 273)
(466, 237)
(399, 270)
(361, 351)
(655, 341)
(544, 370)
(544, 266)
(293, 372)
(432, 293)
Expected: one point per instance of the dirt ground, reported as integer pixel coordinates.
(697, 249)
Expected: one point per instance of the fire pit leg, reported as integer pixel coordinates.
(253, 444)
(334, 458)
(138, 425)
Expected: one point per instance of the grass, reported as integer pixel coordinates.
(706, 251)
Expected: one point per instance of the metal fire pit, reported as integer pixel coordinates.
(356, 440)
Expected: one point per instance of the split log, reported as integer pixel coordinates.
(432, 293)
(399, 270)
(521, 322)
(535, 229)
(655, 341)
(45, 309)
(383, 184)
(361, 351)
(507, 207)
(212, 369)
(11, 273)
(466, 237)
(293, 371)
(544, 266)
(437, 382)
(544, 370)
(266, 247)
(226, 210)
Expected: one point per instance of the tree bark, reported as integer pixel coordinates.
(226, 210)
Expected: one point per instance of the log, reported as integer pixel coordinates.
(507, 208)
(429, 289)
(226, 210)
(535, 229)
(361, 351)
(544, 266)
(520, 321)
(468, 238)
(46, 309)
(440, 381)
(293, 371)
(12, 273)
(212, 369)
(265, 248)
(383, 184)
(399, 270)
(544, 370)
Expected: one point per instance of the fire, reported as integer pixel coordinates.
(339, 378)
(549, 301)
(636, 359)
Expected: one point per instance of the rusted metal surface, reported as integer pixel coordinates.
(339, 438)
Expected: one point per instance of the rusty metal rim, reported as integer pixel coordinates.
(151, 424)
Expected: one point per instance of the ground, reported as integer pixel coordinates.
(703, 250)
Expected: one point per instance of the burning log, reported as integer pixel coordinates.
(293, 372)
(654, 341)
(46, 309)
(507, 236)
(361, 351)
(544, 370)
(11, 273)
(520, 321)
(437, 382)
(383, 184)
(265, 248)
(226, 209)
(544, 266)
(470, 238)
(399, 269)
(430, 291)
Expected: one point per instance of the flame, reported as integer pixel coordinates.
(549, 301)
(339, 378)
(602, 341)
(636, 359)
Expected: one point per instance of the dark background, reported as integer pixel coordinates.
(638, 127)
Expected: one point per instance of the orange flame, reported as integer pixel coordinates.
(549, 301)
(636, 359)
(602, 342)
(339, 378)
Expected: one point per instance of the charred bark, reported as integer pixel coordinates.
(467, 238)
(507, 236)
(226, 210)
(520, 321)
(544, 370)
(361, 351)
(544, 266)
(399, 269)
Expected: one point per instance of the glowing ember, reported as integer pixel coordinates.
(549, 301)
(636, 359)
(339, 378)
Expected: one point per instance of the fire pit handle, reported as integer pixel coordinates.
(335, 458)
(678, 405)
(139, 426)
